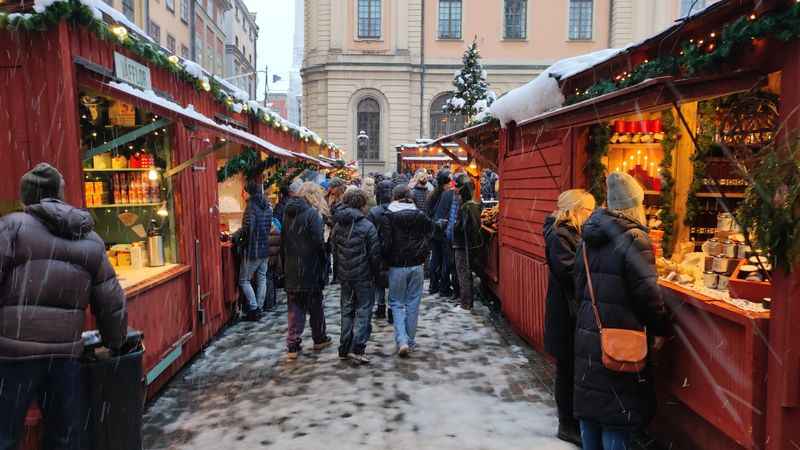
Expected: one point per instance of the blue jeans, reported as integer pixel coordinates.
(55, 383)
(596, 437)
(405, 295)
(249, 267)
(357, 300)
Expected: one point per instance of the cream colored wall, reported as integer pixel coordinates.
(547, 32)
(170, 22)
(636, 20)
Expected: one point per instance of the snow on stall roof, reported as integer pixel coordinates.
(235, 91)
(543, 94)
(190, 112)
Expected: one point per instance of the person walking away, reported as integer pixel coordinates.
(452, 215)
(419, 188)
(255, 230)
(304, 257)
(561, 236)
(438, 209)
(377, 215)
(52, 266)
(357, 254)
(275, 265)
(467, 241)
(612, 405)
(405, 248)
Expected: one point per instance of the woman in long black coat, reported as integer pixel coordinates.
(612, 405)
(562, 234)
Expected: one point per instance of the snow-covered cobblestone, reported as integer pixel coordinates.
(467, 387)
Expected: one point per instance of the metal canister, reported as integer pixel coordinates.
(742, 250)
(725, 221)
(714, 246)
(720, 264)
(710, 280)
(155, 245)
(729, 249)
(722, 282)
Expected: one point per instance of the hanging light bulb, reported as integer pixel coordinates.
(162, 210)
(152, 175)
(173, 59)
(120, 32)
(206, 85)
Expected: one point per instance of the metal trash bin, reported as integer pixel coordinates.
(113, 394)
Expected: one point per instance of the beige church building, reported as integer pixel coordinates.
(387, 66)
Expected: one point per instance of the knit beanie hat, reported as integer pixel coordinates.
(624, 192)
(43, 181)
(443, 178)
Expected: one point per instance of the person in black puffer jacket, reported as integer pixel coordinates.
(383, 195)
(255, 231)
(304, 259)
(612, 405)
(357, 254)
(561, 236)
(467, 241)
(438, 209)
(52, 267)
(405, 247)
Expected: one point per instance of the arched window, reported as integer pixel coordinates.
(368, 118)
(443, 123)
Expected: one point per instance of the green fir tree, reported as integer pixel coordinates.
(472, 94)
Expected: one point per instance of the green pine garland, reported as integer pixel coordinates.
(248, 163)
(284, 174)
(667, 214)
(736, 38)
(77, 13)
(600, 135)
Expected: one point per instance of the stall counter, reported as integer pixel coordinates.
(136, 281)
(715, 366)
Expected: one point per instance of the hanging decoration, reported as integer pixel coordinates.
(284, 174)
(667, 213)
(706, 54)
(85, 13)
(599, 137)
(247, 163)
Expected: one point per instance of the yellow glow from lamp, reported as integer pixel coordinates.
(285, 128)
(473, 166)
(152, 175)
(206, 85)
(162, 210)
(120, 32)
(173, 59)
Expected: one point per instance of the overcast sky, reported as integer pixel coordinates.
(275, 20)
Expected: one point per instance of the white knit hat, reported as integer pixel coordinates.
(624, 192)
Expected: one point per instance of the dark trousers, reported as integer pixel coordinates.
(441, 263)
(357, 300)
(301, 304)
(565, 384)
(464, 272)
(55, 383)
(452, 273)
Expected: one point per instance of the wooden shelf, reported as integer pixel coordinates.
(126, 205)
(736, 195)
(157, 169)
(652, 192)
(641, 146)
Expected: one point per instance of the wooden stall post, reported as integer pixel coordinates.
(682, 169)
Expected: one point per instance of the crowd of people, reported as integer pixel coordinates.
(378, 240)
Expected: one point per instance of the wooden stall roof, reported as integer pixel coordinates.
(481, 142)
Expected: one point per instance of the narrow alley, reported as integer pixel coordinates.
(471, 385)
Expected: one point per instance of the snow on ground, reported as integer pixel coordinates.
(466, 388)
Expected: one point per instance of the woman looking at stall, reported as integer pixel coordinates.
(467, 240)
(255, 230)
(620, 291)
(562, 234)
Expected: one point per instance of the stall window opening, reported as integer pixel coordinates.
(126, 151)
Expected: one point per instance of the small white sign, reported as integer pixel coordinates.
(132, 72)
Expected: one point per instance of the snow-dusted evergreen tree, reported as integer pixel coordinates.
(472, 94)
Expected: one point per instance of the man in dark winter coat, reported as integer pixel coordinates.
(383, 195)
(357, 254)
(256, 224)
(467, 241)
(304, 259)
(611, 405)
(438, 209)
(52, 266)
(405, 248)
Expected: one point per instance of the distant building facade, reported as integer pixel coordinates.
(634, 20)
(279, 102)
(241, 34)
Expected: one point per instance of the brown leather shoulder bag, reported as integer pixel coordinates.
(623, 350)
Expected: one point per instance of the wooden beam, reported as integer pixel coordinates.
(125, 138)
(486, 162)
(453, 157)
(196, 158)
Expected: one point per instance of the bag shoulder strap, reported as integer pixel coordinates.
(591, 288)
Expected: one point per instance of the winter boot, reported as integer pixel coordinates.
(380, 312)
(569, 431)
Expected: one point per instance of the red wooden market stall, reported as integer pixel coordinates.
(730, 379)
(139, 138)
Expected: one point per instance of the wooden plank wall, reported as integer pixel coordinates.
(535, 167)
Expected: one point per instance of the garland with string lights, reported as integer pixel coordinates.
(284, 174)
(247, 163)
(705, 55)
(667, 212)
(595, 170)
(79, 13)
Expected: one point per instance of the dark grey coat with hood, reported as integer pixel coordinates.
(303, 247)
(52, 266)
(356, 249)
(626, 285)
